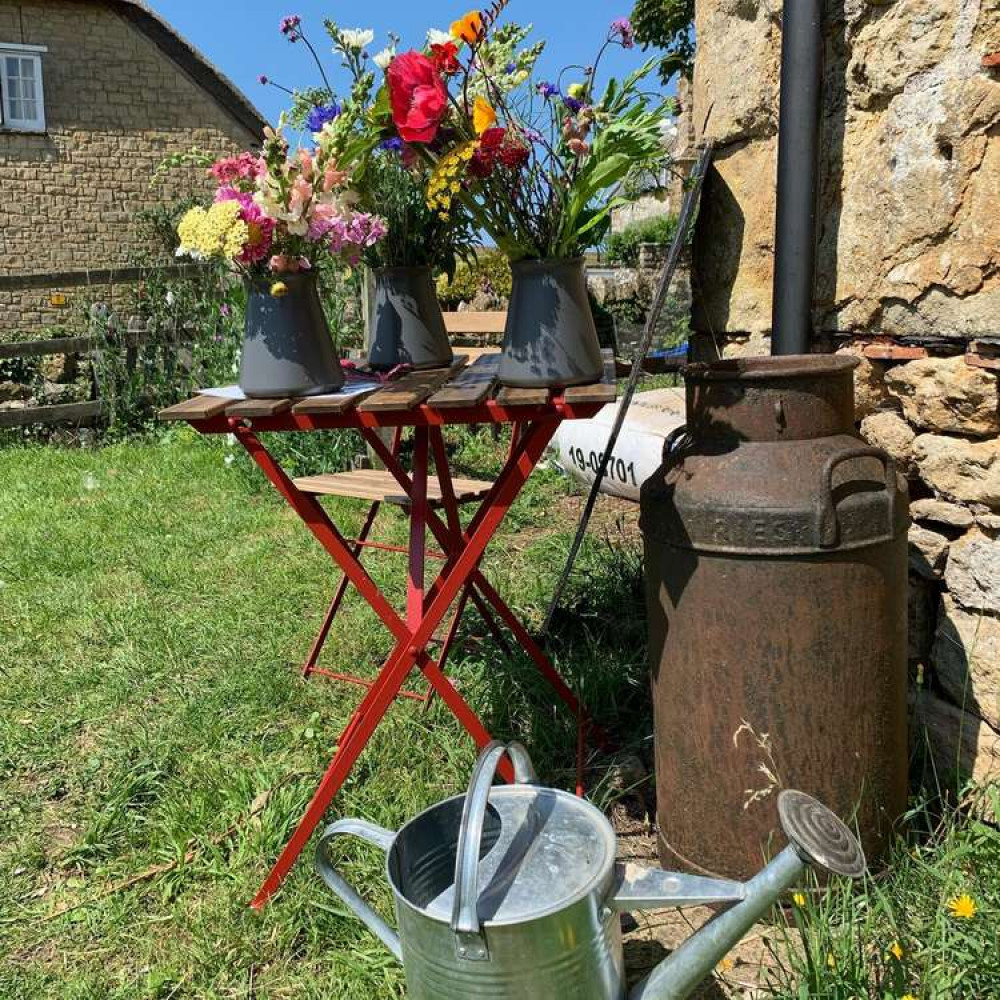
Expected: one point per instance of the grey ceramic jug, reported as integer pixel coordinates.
(406, 326)
(287, 348)
(550, 337)
(514, 892)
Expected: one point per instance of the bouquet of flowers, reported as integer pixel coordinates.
(536, 162)
(276, 214)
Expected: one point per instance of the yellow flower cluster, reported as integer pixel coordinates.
(446, 180)
(215, 232)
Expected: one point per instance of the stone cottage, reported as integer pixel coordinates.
(908, 280)
(93, 95)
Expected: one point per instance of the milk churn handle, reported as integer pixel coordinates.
(471, 944)
(382, 839)
(827, 527)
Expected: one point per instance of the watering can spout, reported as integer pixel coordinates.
(817, 837)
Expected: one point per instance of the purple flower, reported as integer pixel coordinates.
(622, 28)
(321, 114)
(548, 90)
(290, 27)
(573, 104)
(510, 68)
(262, 80)
(224, 310)
(392, 145)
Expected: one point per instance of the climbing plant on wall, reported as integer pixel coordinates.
(667, 25)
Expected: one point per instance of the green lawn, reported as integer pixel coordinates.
(157, 744)
(154, 604)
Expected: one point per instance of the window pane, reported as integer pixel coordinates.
(28, 90)
(15, 111)
(12, 64)
(14, 88)
(27, 69)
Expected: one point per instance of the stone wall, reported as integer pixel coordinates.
(908, 279)
(115, 106)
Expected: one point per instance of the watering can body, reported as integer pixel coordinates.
(514, 893)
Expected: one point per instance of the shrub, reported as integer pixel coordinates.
(623, 248)
(490, 273)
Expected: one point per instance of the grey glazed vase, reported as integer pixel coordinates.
(550, 338)
(406, 326)
(287, 347)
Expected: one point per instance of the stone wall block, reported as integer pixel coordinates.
(947, 396)
(960, 470)
(940, 512)
(957, 740)
(973, 574)
(966, 658)
(928, 552)
(889, 431)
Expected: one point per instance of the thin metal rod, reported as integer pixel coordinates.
(694, 184)
(798, 169)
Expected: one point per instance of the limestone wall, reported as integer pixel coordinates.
(908, 279)
(115, 105)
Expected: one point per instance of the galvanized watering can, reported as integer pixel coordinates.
(514, 892)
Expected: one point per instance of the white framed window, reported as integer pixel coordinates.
(22, 98)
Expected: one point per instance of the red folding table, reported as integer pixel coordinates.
(426, 401)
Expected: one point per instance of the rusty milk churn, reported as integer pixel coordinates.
(776, 589)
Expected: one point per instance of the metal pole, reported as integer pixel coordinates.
(798, 167)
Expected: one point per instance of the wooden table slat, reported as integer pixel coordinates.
(258, 407)
(411, 390)
(512, 396)
(470, 386)
(605, 391)
(318, 405)
(200, 407)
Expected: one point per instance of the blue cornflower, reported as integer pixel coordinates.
(573, 104)
(322, 114)
(510, 68)
(548, 90)
(392, 145)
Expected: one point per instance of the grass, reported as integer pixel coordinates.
(154, 602)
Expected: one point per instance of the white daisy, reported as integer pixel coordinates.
(356, 38)
(383, 58)
(435, 37)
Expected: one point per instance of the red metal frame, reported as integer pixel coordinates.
(460, 578)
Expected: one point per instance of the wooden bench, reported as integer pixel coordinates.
(481, 327)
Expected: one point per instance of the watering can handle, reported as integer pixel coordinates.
(465, 917)
(382, 839)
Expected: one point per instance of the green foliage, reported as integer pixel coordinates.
(488, 272)
(897, 934)
(417, 236)
(667, 25)
(623, 248)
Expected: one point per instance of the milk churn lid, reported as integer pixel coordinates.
(550, 850)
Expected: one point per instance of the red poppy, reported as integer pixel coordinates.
(445, 57)
(418, 96)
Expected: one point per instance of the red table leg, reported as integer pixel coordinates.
(450, 543)
(411, 645)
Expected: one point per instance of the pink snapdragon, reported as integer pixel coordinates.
(245, 167)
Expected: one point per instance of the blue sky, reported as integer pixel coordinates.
(245, 44)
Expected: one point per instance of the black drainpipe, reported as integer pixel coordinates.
(798, 168)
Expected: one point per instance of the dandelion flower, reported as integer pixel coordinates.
(897, 951)
(799, 899)
(831, 961)
(962, 907)
(279, 289)
(908, 996)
